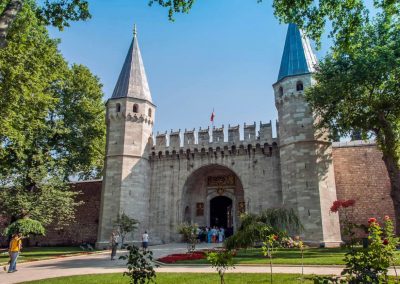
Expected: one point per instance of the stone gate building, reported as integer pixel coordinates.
(202, 177)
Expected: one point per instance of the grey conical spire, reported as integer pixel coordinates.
(132, 81)
(298, 57)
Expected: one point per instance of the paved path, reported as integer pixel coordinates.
(100, 263)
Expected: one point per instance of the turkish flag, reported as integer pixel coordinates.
(212, 116)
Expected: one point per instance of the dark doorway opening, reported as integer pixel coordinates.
(221, 212)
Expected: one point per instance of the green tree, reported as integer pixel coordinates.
(57, 13)
(140, 266)
(189, 232)
(345, 16)
(358, 89)
(52, 125)
(221, 260)
(125, 226)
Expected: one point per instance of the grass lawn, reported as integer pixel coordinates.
(174, 278)
(40, 253)
(312, 256)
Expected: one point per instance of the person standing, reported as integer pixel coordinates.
(145, 241)
(114, 244)
(14, 250)
(221, 235)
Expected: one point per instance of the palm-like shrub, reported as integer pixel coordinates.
(254, 228)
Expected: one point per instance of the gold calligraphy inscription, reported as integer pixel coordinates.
(220, 181)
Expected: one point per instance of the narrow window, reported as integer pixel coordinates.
(135, 108)
(118, 107)
(280, 92)
(149, 112)
(299, 86)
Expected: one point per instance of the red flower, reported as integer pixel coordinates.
(385, 242)
(348, 203)
(276, 237)
(336, 205)
(371, 221)
(387, 218)
(184, 256)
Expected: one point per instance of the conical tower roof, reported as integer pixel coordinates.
(298, 57)
(132, 81)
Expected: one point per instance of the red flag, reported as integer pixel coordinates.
(212, 116)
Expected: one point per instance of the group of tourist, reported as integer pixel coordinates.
(211, 234)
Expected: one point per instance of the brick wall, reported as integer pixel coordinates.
(84, 228)
(360, 174)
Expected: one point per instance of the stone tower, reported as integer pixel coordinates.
(129, 118)
(307, 176)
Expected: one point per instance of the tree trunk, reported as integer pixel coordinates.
(7, 17)
(394, 176)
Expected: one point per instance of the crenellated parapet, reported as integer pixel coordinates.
(212, 140)
(217, 152)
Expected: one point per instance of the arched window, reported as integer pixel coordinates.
(118, 107)
(280, 92)
(149, 112)
(135, 108)
(299, 86)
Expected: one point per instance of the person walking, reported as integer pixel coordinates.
(14, 250)
(145, 241)
(114, 244)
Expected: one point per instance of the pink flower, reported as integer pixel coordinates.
(387, 218)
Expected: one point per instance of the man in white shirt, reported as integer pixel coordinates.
(145, 241)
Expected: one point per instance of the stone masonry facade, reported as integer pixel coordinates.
(360, 174)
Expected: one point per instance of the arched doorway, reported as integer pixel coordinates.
(212, 196)
(221, 212)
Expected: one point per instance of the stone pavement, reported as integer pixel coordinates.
(100, 263)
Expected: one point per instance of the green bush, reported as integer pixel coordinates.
(26, 227)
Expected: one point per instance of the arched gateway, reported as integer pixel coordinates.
(213, 196)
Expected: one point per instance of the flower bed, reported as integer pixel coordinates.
(172, 258)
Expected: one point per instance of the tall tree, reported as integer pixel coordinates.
(52, 125)
(358, 89)
(57, 13)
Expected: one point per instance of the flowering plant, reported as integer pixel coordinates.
(370, 265)
(172, 258)
(342, 203)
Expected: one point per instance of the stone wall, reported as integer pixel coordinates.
(361, 175)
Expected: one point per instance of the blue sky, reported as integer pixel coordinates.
(224, 55)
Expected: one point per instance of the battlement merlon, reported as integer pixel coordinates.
(215, 138)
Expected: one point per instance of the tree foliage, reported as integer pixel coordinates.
(25, 227)
(125, 225)
(58, 13)
(52, 122)
(221, 260)
(189, 232)
(358, 90)
(140, 266)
